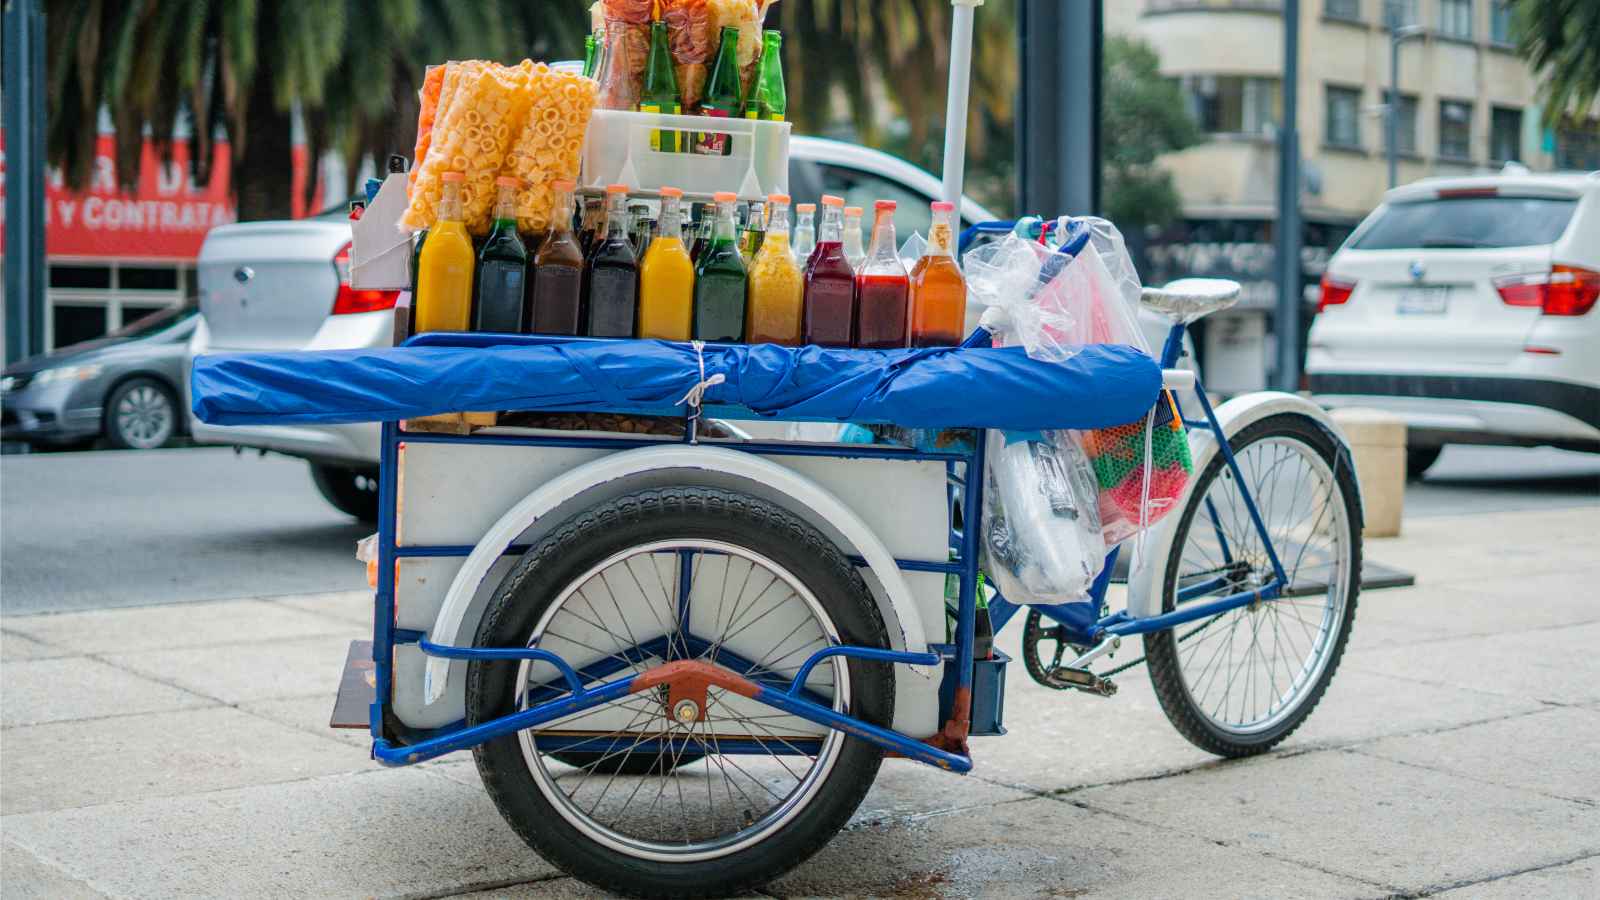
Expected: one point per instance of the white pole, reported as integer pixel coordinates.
(955, 112)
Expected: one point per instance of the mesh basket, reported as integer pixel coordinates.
(1125, 462)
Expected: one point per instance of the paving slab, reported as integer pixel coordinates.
(238, 673)
(1550, 752)
(1362, 816)
(1458, 550)
(1044, 847)
(1556, 664)
(14, 645)
(550, 889)
(1575, 879)
(77, 687)
(85, 763)
(354, 607)
(174, 625)
(1485, 606)
(24, 876)
(310, 715)
(384, 833)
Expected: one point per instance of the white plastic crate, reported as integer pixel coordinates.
(617, 150)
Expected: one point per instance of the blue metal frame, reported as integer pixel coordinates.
(575, 690)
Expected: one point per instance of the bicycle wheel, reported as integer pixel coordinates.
(655, 806)
(1237, 683)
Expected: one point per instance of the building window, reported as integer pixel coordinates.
(1455, 129)
(1344, 118)
(1348, 10)
(1233, 104)
(1578, 145)
(1405, 126)
(1505, 134)
(1455, 18)
(72, 323)
(1500, 21)
(1399, 12)
(70, 276)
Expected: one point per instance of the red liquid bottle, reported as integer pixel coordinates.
(882, 288)
(830, 293)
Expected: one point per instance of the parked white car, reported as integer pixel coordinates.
(1467, 307)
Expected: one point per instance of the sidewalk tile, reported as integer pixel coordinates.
(309, 714)
(58, 690)
(354, 607)
(237, 673)
(1345, 812)
(174, 625)
(71, 764)
(1360, 706)
(1485, 606)
(1576, 879)
(26, 877)
(16, 646)
(1554, 664)
(374, 834)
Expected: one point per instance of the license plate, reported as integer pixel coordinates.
(1423, 301)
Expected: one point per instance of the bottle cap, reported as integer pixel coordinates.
(806, 208)
(672, 192)
(884, 206)
(852, 210)
(563, 184)
(508, 181)
(831, 200)
(455, 177)
(616, 189)
(777, 198)
(725, 197)
(943, 206)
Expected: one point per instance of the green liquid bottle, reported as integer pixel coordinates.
(502, 267)
(767, 99)
(660, 91)
(755, 228)
(719, 280)
(590, 48)
(724, 95)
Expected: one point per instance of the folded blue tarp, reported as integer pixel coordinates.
(944, 387)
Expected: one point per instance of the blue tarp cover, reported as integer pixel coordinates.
(944, 387)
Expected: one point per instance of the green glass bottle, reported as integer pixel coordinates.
(502, 267)
(660, 91)
(719, 280)
(767, 99)
(590, 46)
(724, 95)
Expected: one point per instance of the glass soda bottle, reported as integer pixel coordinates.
(502, 266)
(853, 249)
(590, 48)
(666, 278)
(719, 280)
(613, 272)
(882, 287)
(777, 292)
(755, 226)
(557, 301)
(660, 91)
(938, 290)
(724, 96)
(767, 99)
(444, 268)
(830, 293)
(805, 232)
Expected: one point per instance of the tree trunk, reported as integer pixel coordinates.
(263, 174)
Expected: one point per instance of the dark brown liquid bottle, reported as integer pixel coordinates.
(613, 273)
(555, 305)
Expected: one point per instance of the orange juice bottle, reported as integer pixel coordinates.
(666, 278)
(938, 291)
(444, 269)
(777, 291)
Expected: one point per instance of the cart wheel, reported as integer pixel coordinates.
(763, 790)
(1238, 683)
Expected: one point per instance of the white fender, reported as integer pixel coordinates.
(1144, 580)
(682, 464)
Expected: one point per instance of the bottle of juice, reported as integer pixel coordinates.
(666, 278)
(938, 290)
(805, 232)
(853, 250)
(724, 96)
(444, 271)
(830, 295)
(660, 91)
(755, 226)
(556, 304)
(719, 280)
(502, 266)
(777, 292)
(613, 272)
(767, 99)
(882, 288)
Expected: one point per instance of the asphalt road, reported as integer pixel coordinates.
(100, 529)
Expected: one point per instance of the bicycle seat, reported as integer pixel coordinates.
(1187, 299)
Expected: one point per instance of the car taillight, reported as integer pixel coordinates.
(350, 300)
(1334, 292)
(1563, 291)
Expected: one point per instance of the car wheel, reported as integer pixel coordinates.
(1420, 459)
(140, 415)
(350, 491)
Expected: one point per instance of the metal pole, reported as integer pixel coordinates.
(1392, 108)
(1058, 121)
(23, 98)
(955, 111)
(1288, 232)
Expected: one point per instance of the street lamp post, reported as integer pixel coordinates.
(1398, 34)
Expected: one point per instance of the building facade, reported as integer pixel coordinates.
(1466, 104)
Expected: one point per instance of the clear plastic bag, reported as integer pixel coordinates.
(1042, 536)
(912, 249)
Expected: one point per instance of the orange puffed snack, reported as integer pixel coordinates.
(546, 148)
(432, 84)
(481, 105)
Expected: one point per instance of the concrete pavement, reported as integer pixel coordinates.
(181, 751)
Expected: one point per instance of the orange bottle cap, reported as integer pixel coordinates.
(455, 176)
(563, 184)
(508, 181)
(777, 198)
(616, 189)
(831, 200)
(852, 210)
(943, 206)
(672, 192)
(806, 207)
(725, 197)
(884, 205)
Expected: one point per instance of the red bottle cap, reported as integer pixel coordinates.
(883, 205)
(943, 206)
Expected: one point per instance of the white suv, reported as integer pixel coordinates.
(1467, 307)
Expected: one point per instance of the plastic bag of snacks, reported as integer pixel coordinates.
(1042, 534)
(744, 15)
(693, 41)
(546, 148)
(432, 84)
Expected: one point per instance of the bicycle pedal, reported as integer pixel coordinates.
(1064, 677)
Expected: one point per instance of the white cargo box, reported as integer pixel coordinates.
(380, 253)
(618, 150)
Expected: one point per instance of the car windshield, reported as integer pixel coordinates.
(156, 321)
(1467, 222)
